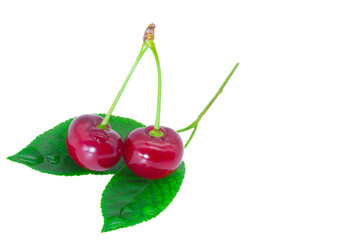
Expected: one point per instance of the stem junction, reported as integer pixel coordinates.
(148, 43)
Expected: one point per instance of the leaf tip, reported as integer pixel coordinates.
(11, 158)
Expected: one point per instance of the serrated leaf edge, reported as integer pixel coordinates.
(102, 195)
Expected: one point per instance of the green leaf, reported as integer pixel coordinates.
(128, 199)
(48, 153)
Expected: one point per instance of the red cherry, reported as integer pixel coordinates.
(153, 157)
(91, 147)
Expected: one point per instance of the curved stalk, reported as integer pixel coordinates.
(194, 124)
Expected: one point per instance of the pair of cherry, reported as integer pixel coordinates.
(146, 155)
(151, 152)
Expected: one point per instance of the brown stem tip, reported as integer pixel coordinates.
(149, 32)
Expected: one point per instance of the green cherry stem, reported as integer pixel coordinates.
(194, 125)
(156, 132)
(106, 119)
(148, 36)
(149, 41)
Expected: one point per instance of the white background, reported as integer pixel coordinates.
(276, 157)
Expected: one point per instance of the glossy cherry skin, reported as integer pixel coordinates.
(91, 147)
(153, 157)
